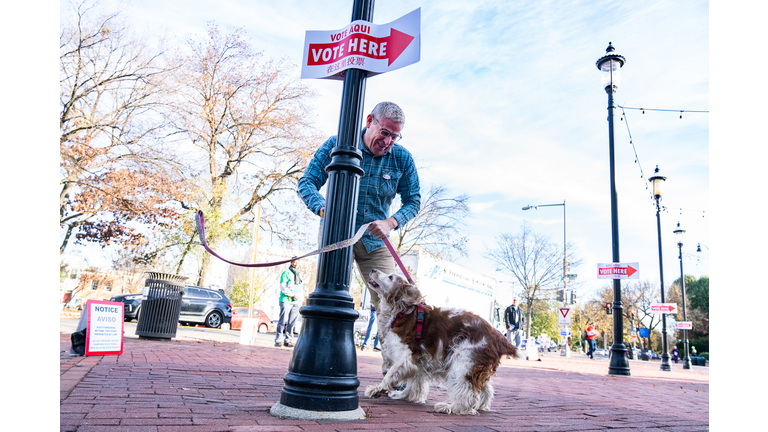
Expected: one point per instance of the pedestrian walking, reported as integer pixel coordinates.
(372, 330)
(514, 322)
(675, 355)
(291, 297)
(591, 333)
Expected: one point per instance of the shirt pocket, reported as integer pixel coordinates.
(388, 184)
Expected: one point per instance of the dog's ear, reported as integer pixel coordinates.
(409, 294)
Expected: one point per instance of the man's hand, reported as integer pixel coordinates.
(381, 228)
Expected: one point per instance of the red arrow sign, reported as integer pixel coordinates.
(360, 44)
(664, 307)
(618, 271)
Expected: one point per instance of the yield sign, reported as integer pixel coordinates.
(363, 45)
(618, 271)
(664, 308)
(564, 317)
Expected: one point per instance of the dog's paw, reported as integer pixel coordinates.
(443, 407)
(374, 392)
(447, 408)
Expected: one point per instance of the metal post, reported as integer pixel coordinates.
(322, 374)
(619, 364)
(686, 359)
(565, 275)
(665, 366)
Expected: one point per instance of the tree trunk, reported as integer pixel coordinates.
(184, 254)
(205, 271)
(66, 239)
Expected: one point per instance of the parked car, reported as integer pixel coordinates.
(602, 352)
(239, 313)
(205, 306)
(131, 305)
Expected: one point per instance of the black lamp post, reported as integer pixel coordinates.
(565, 255)
(679, 233)
(657, 180)
(322, 374)
(610, 65)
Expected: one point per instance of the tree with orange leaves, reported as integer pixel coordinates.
(114, 172)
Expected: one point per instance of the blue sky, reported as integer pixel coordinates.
(506, 105)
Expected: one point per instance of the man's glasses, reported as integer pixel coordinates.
(387, 134)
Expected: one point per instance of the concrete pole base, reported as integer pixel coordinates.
(285, 412)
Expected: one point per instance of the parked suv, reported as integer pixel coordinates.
(204, 306)
(131, 305)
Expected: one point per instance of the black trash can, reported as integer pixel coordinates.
(160, 306)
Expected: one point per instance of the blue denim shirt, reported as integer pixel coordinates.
(391, 173)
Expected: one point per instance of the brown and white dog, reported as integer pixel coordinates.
(457, 349)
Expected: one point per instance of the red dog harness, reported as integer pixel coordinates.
(419, 319)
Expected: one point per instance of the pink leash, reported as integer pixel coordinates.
(397, 259)
(200, 221)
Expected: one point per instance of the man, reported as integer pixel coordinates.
(514, 321)
(591, 333)
(291, 296)
(389, 170)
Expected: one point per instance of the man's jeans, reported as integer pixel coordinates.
(288, 315)
(372, 329)
(515, 337)
(592, 347)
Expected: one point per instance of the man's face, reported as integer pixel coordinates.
(515, 302)
(374, 139)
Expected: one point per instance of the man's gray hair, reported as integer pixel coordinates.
(389, 110)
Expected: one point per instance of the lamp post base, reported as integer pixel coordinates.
(285, 412)
(686, 363)
(619, 365)
(665, 366)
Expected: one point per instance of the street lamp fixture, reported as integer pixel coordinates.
(657, 180)
(565, 254)
(679, 233)
(610, 65)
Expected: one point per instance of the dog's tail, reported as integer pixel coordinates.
(509, 349)
(506, 348)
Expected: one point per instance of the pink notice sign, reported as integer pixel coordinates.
(105, 328)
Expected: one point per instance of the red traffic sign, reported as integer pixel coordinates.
(667, 308)
(564, 318)
(618, 270)
(685, 325)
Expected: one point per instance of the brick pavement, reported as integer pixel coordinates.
(183, 385)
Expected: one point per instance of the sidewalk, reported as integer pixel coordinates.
(183, 385)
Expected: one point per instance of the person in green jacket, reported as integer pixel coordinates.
(291, 297)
